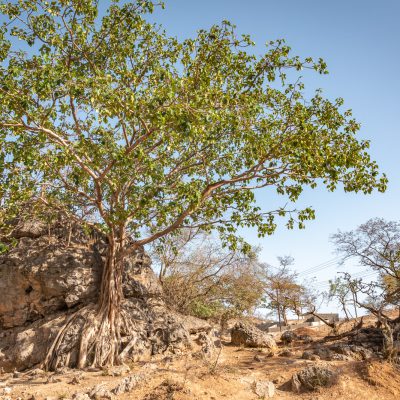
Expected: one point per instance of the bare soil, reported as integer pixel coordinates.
(231, 376)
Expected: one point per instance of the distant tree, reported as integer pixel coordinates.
(340, 290)
(111, 122)
(376, 244)
(282, 291)
(203, 279)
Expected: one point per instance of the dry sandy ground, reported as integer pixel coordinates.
(231, 377)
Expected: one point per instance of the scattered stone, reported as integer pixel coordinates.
(257, 358)
(127, 384)
(7, 390)
(286, 353)
(81, 396)
(99, 392)
(264, 389)
(313, 377)
(53, 379)
(324, 353)
(247, 335)
(76, 380)
(307, 355)
(306, 339)
(278, 380)
(63, 370)
(288, 337)
(119, 370)
(36, 372)
(340, 357)
(296, 384)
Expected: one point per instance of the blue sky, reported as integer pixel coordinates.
(359, 40)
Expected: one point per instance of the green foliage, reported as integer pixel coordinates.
(112, 121)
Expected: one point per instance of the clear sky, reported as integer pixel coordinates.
(360, 41)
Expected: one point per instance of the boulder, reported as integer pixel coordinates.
(313, 377)
(305, 339)
(264, 389)
(286, 353)
(288, 337)
(243, 334)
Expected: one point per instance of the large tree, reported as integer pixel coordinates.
(121, 127)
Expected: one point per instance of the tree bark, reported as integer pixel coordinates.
(100, 338)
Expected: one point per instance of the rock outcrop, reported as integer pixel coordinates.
(247, 335)
(53, 271)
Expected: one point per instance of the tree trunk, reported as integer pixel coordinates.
(106, 345)
(284, 315)
(100, 337)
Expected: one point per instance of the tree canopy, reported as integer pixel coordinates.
(117, 124)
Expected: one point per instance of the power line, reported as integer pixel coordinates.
(361, 274)
(320, 267)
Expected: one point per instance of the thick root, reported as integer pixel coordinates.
(87, 339)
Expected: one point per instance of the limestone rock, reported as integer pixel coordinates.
(313, 377)
(286, 353)
(247, 335)
(288, 337)
(53, 272)
(99, 392)
(264, 389)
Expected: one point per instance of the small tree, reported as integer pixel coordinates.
(120, 127)
(282, 292)
(340, 290)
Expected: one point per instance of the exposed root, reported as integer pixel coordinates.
(87, 339)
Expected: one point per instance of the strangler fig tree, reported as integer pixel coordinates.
(106, 118)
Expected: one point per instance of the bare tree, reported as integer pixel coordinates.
(202, 278)
(375, 244)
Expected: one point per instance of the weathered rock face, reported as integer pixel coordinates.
(41, 276)
(247, 335)
(51, 273)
